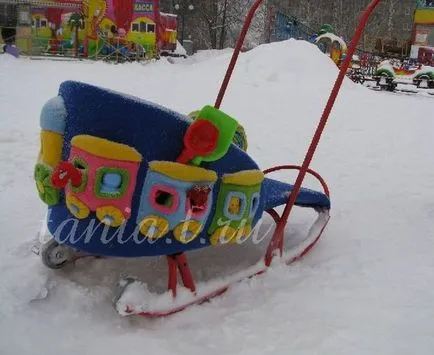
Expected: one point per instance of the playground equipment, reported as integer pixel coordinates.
(390, 73)
(83, 28)
(332, 45)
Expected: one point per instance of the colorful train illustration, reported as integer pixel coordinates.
(107, 173)
(175, 198)
(99, 163)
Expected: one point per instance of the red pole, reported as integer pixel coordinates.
(317, 136)
(157, 26)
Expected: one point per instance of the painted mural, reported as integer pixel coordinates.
(56, 30)
(103, 28)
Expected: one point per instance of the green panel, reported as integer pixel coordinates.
(47, 192)
(220, 219)
(226, 126)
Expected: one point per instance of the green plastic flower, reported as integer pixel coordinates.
(46, 190)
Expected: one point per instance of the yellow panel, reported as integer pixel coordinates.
(183, 172)
(244, 178)
(424, 16)
(106, 149)
(51, 148)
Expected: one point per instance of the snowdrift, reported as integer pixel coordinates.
(366, 288)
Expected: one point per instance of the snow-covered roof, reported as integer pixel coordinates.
(333, 38)
(167, 14)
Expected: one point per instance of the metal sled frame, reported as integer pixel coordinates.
(178, 263)
(276, 246)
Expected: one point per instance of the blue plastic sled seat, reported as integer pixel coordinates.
(123, 151)
(277, 194)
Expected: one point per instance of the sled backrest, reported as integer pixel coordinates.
(124, 151)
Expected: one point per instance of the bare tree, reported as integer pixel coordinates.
(217, 23)
(223, 27)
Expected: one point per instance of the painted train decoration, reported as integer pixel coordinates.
(117, 171)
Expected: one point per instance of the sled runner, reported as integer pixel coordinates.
(123, 177)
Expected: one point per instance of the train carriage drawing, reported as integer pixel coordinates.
(237, 205)
(107, 173)
(175, 198)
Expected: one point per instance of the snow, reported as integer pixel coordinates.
(366, 288)
(426, 69)
(203, 55)
(180, 50)
(167, 14)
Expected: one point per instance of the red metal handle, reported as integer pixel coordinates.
(277, 239)
(322, 123)
(278, 234)
(309, 171)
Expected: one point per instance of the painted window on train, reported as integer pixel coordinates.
(235, 205)
(82, 166)
(111, 182)
(164, 199)
(197, 202)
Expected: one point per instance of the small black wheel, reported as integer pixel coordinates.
(55, 255)
(391, 87)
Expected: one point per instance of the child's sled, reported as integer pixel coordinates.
(127, 178)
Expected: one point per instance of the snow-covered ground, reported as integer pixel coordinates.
(367, 287)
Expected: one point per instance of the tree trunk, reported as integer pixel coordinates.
(76, 41)
(213, 36)
(223, 30)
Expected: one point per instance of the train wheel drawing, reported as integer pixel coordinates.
(222, 235)
(154, 227)
(187, 231)
(76, 207)
(110, 216)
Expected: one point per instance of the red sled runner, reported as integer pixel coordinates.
(159, 183)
